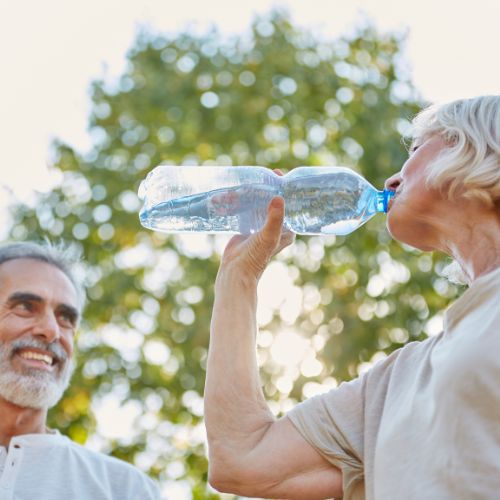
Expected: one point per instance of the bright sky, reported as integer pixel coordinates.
(51, 50)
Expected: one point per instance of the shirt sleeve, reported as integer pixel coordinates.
(343, 422)
(333, 424)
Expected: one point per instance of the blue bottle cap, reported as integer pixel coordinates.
(383, 199)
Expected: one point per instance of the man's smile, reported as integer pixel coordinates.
(36, 358)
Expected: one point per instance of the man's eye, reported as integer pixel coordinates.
(24, 307)
(67, 319)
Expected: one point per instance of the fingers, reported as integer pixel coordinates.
(251, 254)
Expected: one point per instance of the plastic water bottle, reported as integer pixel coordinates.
(214, 199)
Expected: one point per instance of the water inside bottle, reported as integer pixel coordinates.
(337, 203)
(239, 209)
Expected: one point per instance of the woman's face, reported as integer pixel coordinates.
(414, 213)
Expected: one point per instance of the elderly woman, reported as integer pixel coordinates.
(425, 421)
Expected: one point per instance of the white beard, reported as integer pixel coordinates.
(32, 388)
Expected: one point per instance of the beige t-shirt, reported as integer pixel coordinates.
(424, 423)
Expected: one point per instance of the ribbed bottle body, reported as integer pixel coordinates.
(207, 199)
(211, 199)
(327, 200)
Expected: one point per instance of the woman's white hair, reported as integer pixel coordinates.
(470, 166)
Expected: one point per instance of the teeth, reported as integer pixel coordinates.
(36, 355)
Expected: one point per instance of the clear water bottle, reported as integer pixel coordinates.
(213, 199)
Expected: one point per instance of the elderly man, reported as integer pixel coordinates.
(40, 307)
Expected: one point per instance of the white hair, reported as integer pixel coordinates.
(470, 165)
(61, 256)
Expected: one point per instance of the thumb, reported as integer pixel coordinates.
(263, 244)
(271, 232)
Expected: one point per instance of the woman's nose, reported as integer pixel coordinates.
(393, 182)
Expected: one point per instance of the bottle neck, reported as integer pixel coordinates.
(383, 199)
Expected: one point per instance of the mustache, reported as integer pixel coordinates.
(54, 348)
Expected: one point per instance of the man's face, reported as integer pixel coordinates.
(38, 318)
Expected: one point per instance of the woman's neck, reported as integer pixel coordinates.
(475, 244)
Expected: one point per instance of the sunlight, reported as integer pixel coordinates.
(289, 348)
(106, 411)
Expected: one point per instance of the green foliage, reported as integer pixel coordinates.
(278, 98)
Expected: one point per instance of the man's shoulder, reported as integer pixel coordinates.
(110, 465)
(98, 475)
(98, 457)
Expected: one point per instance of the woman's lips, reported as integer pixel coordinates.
(391, 201)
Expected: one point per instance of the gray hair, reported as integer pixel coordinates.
(470, 166)
(60, 255)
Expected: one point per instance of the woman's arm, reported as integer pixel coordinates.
(250, 452)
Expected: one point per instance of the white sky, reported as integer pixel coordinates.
(51, 50)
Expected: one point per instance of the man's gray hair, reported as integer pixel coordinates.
(59, 255)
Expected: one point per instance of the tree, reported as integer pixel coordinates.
(277, 97)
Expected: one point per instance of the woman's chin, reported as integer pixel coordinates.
(404, 233)
(413, 241)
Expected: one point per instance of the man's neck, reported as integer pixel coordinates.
(16, 421)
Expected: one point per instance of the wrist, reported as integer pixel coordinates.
(231, 278)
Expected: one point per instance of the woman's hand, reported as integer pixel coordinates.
(250, 254)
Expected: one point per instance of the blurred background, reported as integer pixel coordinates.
(95, 94)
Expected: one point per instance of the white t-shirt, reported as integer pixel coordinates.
(424, 423)
(52, 467)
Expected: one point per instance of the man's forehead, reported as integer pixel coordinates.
(41, 278)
